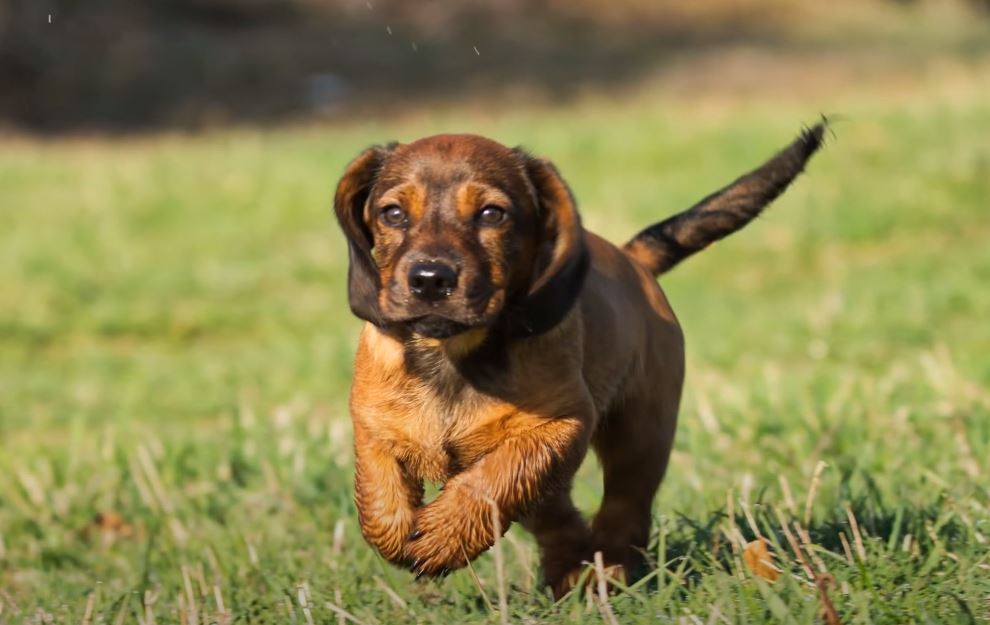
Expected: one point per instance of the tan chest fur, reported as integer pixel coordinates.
(434, 430)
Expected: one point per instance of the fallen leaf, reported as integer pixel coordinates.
(109, 521)
(111, 526)
(758, 559)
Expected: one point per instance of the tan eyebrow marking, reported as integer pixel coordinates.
(471, 196)
(408, 195)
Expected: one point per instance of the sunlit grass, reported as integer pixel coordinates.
(175, 350)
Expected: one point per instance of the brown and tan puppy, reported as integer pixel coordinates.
(503, 340)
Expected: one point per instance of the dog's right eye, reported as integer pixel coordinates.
(393, 216)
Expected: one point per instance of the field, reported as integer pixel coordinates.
(175, 349)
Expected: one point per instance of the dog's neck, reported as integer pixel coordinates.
(471, 360)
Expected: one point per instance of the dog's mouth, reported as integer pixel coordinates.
(436, 327)
(445, 319)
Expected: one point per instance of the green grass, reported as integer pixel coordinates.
(175, 349)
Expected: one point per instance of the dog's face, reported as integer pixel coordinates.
(455, 232)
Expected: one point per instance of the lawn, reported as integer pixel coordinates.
(175, 352)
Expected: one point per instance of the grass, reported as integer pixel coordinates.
(175, 350)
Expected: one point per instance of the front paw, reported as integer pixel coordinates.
(388, 532)
(448, 533)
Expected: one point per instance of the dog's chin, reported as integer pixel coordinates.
(435, 327)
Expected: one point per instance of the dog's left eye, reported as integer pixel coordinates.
(491, 216)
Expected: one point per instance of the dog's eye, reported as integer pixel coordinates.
(393, 216)
(491, 216)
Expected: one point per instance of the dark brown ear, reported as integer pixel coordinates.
(563, 260)
(363, 281)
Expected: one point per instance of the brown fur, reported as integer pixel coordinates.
(554, 341)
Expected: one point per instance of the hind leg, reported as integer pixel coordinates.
(633, 446)
(563, 537)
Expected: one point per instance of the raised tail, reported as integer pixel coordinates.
(661, 246)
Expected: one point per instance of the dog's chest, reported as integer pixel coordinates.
(434, 433)
(422, 410)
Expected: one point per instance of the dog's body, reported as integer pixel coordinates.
(503, 340)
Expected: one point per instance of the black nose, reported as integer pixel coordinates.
(432, 281)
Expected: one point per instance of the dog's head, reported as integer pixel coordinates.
(455, 232)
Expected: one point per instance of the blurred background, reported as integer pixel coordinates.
(176, 347)
(113, 65)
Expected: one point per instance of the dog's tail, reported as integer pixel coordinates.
(661, 246)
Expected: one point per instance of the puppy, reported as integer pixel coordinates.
(503, 340)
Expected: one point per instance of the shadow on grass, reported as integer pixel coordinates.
(860, 533)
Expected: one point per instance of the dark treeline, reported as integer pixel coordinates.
(124, 65)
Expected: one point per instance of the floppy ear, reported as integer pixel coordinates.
(363, 281)
(563, 259)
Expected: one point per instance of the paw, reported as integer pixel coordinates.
(448, 533)
(613, 573)
(388, 533)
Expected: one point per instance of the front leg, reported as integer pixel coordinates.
(537, 457)
(386, 496)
